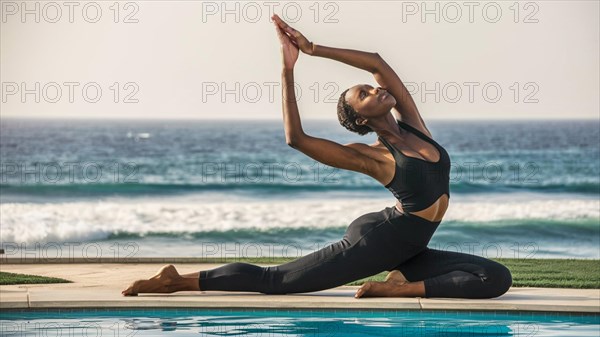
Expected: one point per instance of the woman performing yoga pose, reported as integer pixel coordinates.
(406, 160)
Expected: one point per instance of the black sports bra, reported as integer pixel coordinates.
(418, 183)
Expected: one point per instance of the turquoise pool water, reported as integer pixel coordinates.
(200, 322)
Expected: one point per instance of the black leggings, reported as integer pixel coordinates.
(375, 242)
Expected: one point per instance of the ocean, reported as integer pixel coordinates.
(174, 188)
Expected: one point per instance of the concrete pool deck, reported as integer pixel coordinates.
(98, 285)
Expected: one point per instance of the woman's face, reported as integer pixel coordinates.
(369, 101)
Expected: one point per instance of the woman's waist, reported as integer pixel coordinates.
(427, 214)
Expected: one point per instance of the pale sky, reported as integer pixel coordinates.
(182, 59)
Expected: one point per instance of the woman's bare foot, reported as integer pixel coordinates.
(396, 276)
(167, 280)
(395, 285)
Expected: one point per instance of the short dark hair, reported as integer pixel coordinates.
(347, 116)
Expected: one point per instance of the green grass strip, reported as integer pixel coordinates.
(546, 273)
(12, 278)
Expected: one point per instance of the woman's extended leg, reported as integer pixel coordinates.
(372, 244)
(458, 275)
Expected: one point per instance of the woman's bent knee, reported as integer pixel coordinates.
(499, 278)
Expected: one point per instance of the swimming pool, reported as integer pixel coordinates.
(262, 322)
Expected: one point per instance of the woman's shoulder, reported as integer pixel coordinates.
(378, 160)
(375, 151)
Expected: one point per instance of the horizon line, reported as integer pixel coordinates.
(281, 119)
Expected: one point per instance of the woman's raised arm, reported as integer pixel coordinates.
(360, 59)
(356, 58)
(385, 76)
(325, 151)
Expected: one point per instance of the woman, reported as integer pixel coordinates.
(406, 160)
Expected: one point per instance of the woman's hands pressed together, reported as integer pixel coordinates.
(295, 36)
(291, 42)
